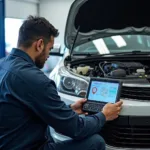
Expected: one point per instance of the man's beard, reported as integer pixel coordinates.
(40, 60)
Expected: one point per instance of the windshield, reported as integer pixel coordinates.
(115, 44)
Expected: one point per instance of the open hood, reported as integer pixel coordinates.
(103, 18)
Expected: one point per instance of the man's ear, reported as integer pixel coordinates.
(40, 45)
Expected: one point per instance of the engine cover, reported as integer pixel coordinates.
(126, 65)
(122, 69)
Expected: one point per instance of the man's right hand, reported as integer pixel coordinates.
(111, 111)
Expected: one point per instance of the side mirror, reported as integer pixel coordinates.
(56, 51)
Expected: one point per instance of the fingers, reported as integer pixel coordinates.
(119, 108)
(114, 117)
(112, 111)
(83, 100)
(118, 112)
(86, 113)
(119, 103)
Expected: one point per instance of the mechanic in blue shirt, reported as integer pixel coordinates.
(29, 101)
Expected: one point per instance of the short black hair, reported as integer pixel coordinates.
(34, 28)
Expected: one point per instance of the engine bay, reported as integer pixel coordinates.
(125, 70)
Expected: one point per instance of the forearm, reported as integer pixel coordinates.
(90, 125)
(63, 119)
(82, 127)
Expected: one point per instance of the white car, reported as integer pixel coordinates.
(109, 39)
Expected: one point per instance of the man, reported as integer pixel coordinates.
(29, 101)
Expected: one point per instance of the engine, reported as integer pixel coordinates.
(114, 69)
(122, 69)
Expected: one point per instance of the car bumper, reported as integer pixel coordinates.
(130, 108)
(59, 138)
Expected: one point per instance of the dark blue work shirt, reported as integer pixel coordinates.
(29, 103)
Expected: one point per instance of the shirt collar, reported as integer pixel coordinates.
(22, 54)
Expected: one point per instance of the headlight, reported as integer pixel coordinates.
(70, 84)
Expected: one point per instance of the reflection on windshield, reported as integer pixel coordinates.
(115, 44)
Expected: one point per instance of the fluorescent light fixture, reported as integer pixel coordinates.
(119, 41)
(101, 46)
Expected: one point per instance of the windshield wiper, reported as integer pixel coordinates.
(135, 52)
(85, 54)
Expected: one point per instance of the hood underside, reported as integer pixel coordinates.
(103, 18)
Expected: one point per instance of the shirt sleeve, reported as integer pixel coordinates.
(42, 98)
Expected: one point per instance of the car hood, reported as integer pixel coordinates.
(103, 18)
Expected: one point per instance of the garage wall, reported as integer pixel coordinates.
(56, 12)
(20, 8)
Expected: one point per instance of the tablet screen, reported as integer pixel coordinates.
(103, 91)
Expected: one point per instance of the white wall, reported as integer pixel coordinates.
(56, 12)
(20, 8)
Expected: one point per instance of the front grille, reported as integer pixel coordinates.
(128, 133)
(138, 93)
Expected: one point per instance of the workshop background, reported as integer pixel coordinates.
(105, 40)
(13, 12)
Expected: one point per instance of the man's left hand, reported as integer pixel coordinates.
(77, 106)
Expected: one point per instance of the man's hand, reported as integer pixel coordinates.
(77, 106)
(111, 111)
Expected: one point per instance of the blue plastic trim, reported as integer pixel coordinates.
(2, 28)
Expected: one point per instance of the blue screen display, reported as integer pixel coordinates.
(103, 91)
